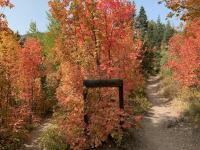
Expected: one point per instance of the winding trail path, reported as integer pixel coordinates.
(161, 130)
(32, 141)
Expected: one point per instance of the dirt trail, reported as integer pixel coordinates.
(161, 130)
(32, 141)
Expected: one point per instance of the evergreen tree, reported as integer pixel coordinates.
(151, 37)
(154, 34)
(169, 31)
(17, 35)
(53, 26)
(48, 40)
(159, 32)
(134, 13)
(141, 22)
(33, 28)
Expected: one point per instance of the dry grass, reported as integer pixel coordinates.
(184, 100)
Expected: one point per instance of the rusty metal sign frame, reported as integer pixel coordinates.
(99, 84)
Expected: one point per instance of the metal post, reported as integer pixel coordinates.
(85, 92)
(121, 97)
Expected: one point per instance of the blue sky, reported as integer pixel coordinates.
(153, 10)
(26, 11)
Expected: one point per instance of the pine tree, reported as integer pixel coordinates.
(48, 41)
(134, 13)
(53, 26)
(151, 34)
(159, 32)
(169, 32)
(17, 35)
(142, 22)
(33, 28)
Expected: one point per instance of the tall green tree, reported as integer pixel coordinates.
(141, 22)
(33, 28)
(157, 36)
(53, 26)
(48, 39)
(134, 13)
(151, 37)
(169, 32)
(159, 32)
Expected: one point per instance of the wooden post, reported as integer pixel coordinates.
(85, 92)
(121, 96)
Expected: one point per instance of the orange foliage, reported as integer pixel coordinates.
(31, 60)
(9, 79)
(96, 42)
(187, 9)
(17, 67)
(185, 53)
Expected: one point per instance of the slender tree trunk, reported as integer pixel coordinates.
(31, 101)
(95, 32)
(43, 81)
(97, 45)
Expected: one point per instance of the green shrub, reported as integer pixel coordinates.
(140, 105)
(139, 101)
(30, 127)
(11, 140)
(53, 139)
(117, 136)
(192, 96)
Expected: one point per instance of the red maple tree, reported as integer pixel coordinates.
(31, 60)
(185, 54)
(96, 42)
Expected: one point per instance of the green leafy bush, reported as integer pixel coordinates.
(141, 105)
(139, 101)
(117, 136)
(53, 139)
(11, 140)
(30, 127)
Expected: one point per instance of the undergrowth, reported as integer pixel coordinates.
(53, 139)
(11, 140)
(192, 109)
(186, 100)
(139, 102)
